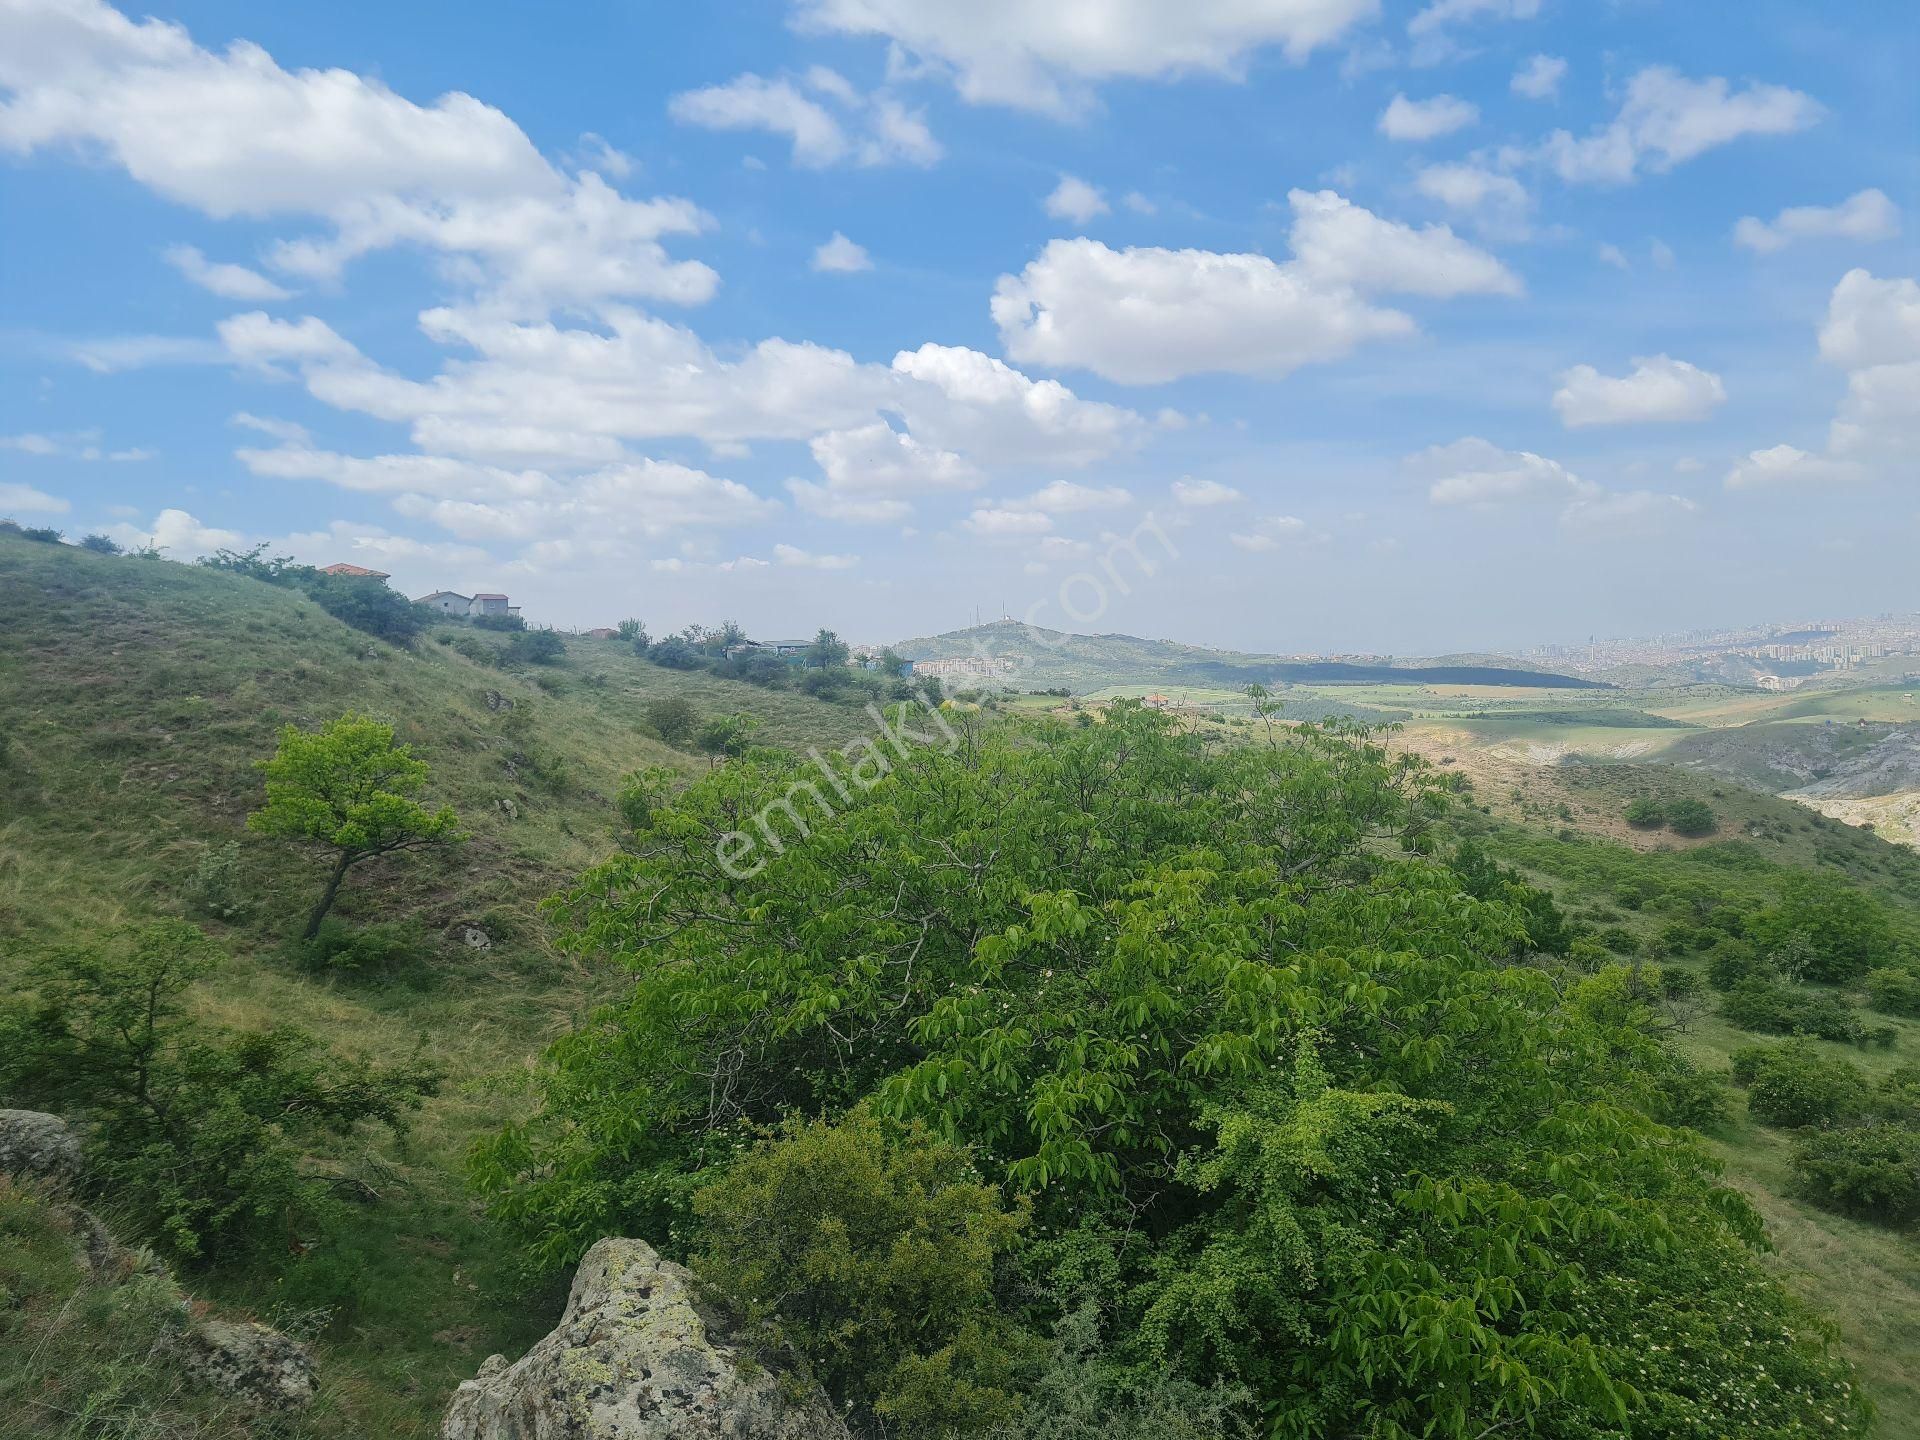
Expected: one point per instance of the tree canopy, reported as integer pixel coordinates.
(1305, 1110)
(348, 788)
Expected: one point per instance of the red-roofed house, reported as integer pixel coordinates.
(359, 572)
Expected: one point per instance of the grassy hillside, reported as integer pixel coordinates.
(137, 695)
(1866, 1276)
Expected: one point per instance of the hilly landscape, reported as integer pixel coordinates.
(500, 938)
(1040, 658)
(141, 695)
(138, 697)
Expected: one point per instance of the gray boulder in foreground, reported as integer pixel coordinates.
(40, 1145)
(255, 1364)
(633, 1359)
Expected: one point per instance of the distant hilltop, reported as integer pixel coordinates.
(1008, 652)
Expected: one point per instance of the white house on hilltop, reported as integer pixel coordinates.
(452, 602)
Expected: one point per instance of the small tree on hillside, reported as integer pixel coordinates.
(726, 736)
(348, 789)
(827, 652)
(723, 638)
(673, 717)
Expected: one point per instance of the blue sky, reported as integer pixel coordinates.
(1374, 326)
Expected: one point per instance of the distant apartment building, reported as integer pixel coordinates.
(972, 667)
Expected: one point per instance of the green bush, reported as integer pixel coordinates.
(673, 718)
(1775, 1009)
(101, 544)
(1845, 931)
(1872, 1171)
(533, 647)
(216, 888)
(1732, 961)
(199, 1132)
(1646, 813)
(1897, 1097)
(1082, 1393)
(676, 652)
(475, 650)
(386, 951)
(1620, 940)
(1689, 1096)
(498, 622)
(1894, 992)
(1677, 983)
(870, 1250)
(369, 605)
(1794, 1085)
(1691, 817)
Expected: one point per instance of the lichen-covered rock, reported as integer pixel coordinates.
(40, 1145)
(256, 1365)
(633, 1359)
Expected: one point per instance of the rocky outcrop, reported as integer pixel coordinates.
(634, 1358)
(252, 1363)
(255, 1364)
(41, 1146)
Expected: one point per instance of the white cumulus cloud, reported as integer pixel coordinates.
(1074, 199)
(812, 560)
(841, 256)
(1868, 215)
(177, 533)
(1049, 57)
(18, 499)
(1442, 13)
(1667, 119)
(1146, 315)
(1199, 494)
(1477, 472)
(832, 125)
(229, 282)
(1540, 77)
(1064, 497)
(231, 134)
(1659, 389)
(994, 523)
(1784, 466)
(1419, 120)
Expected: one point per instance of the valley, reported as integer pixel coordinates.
(141, 694)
